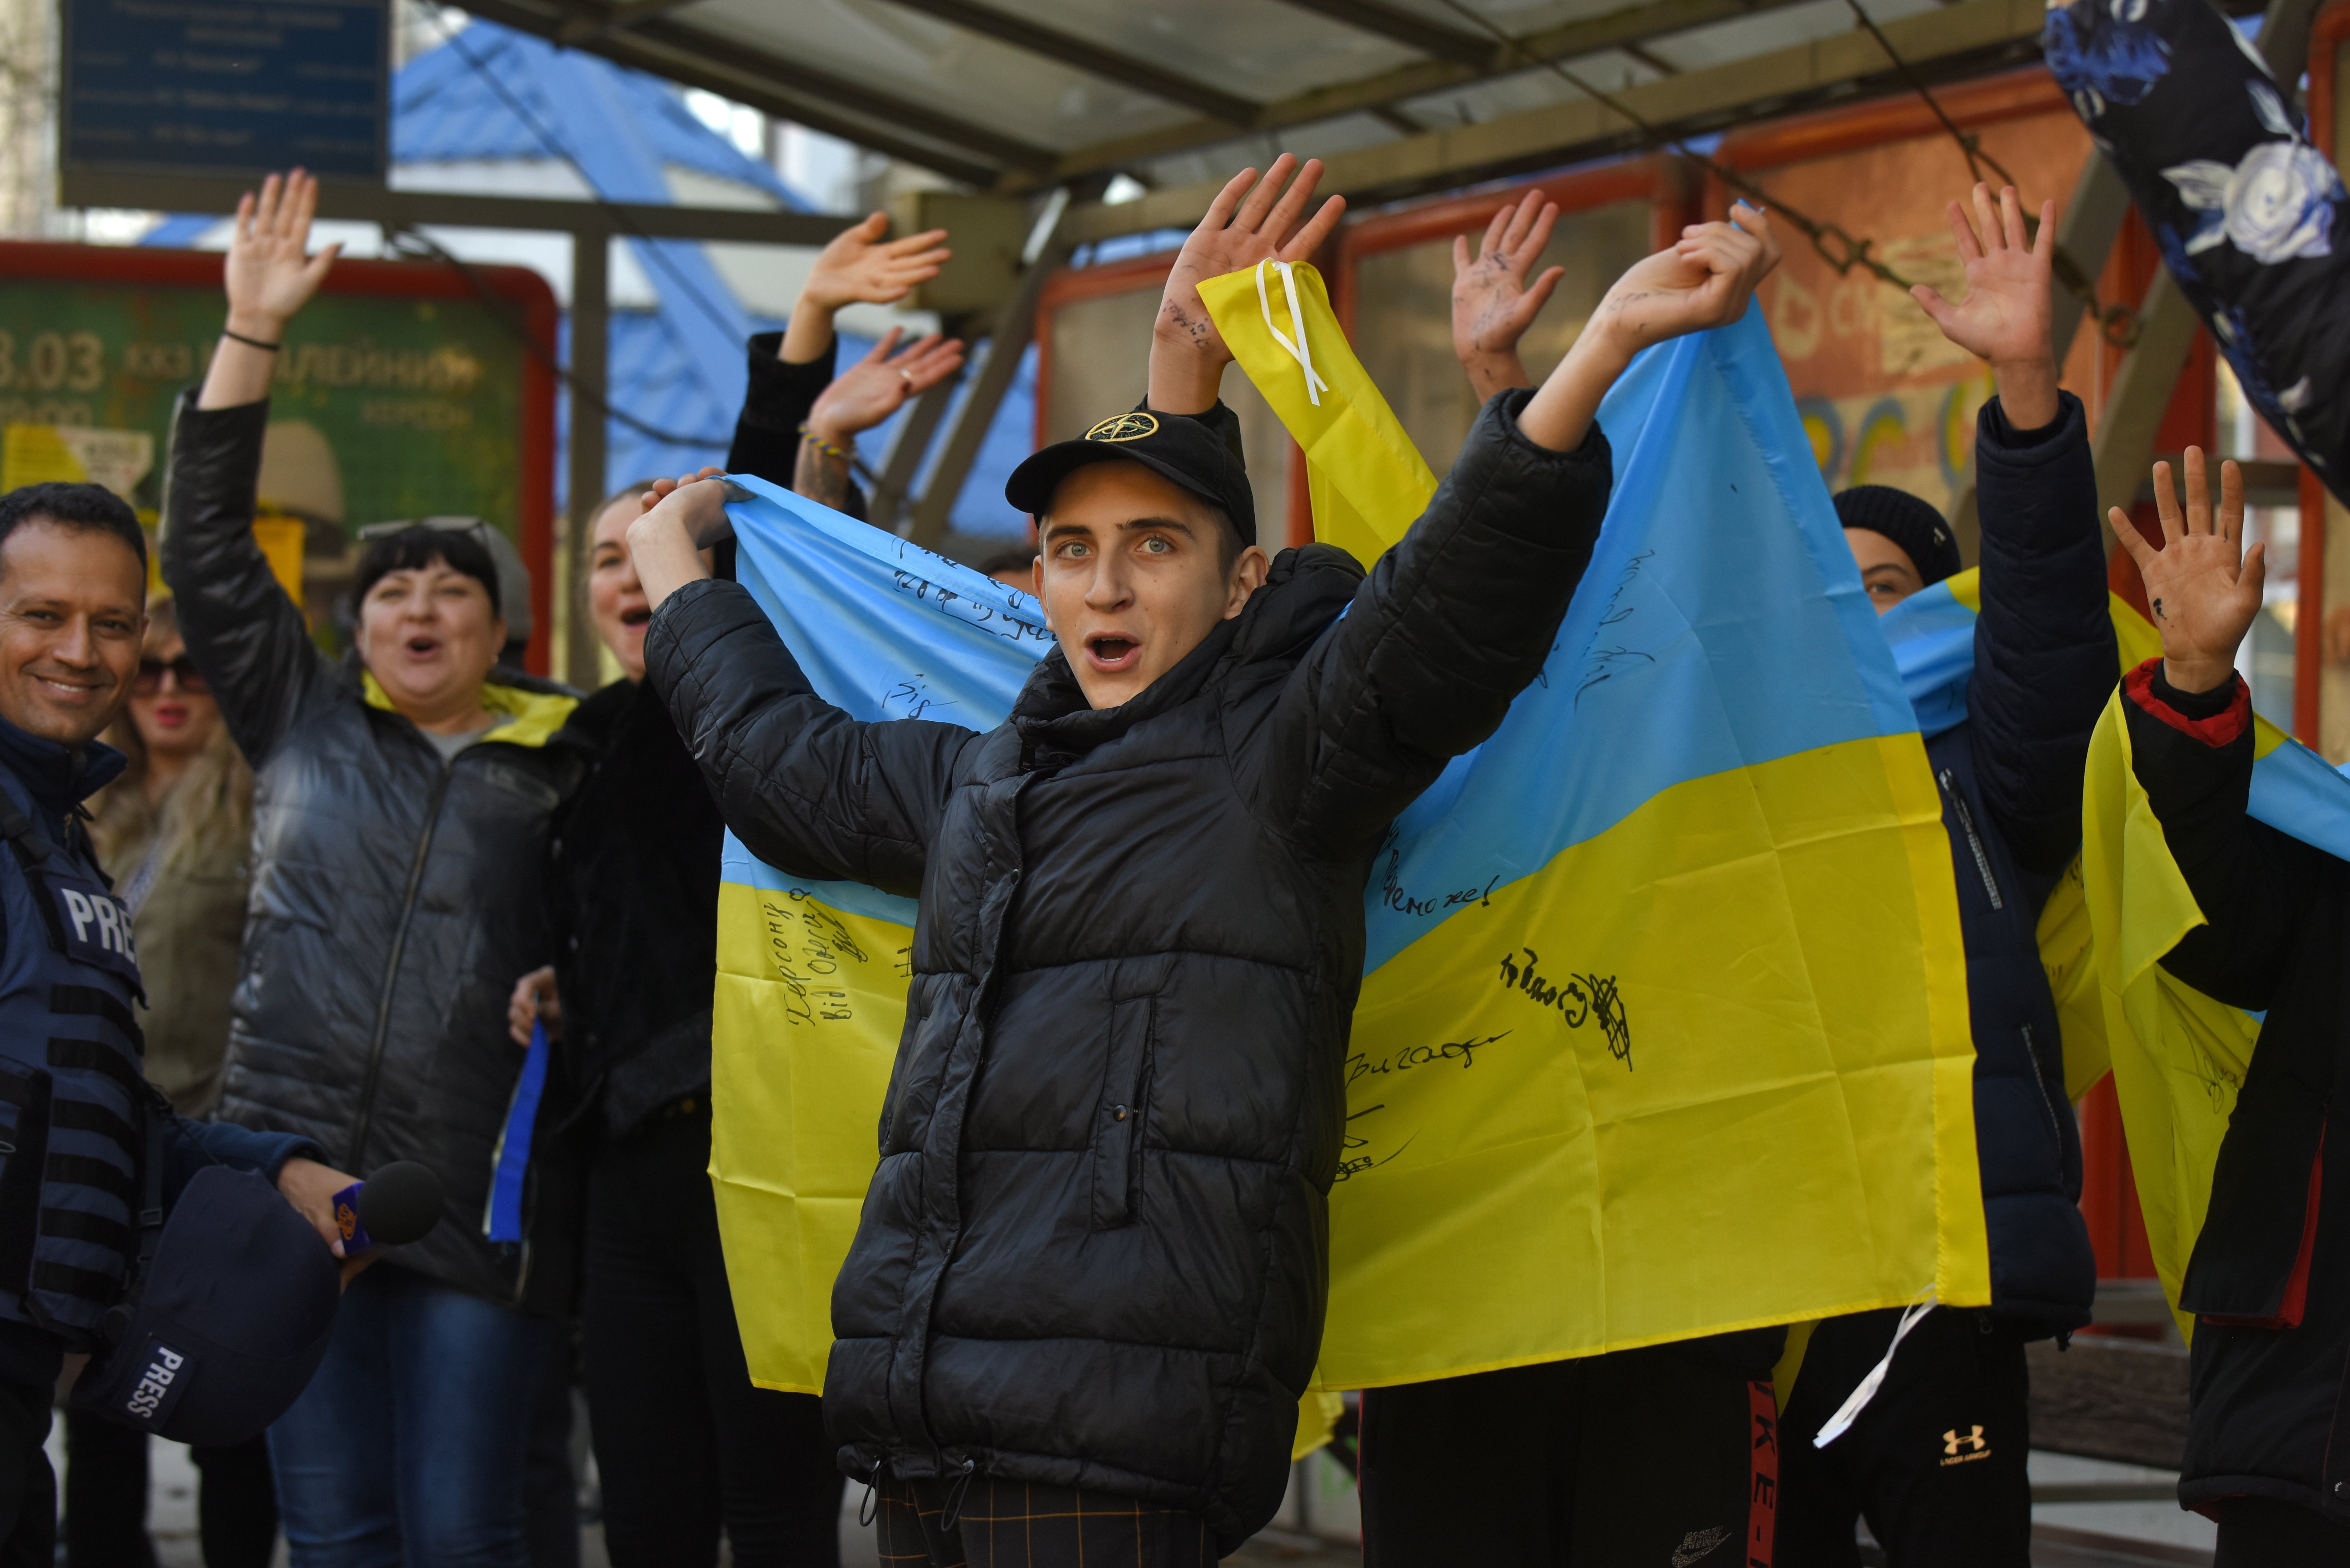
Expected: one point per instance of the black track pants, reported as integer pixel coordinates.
(683, 1442)
(1667, 1455)
(1937, 1461)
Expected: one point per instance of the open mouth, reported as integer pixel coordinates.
(423, 646)
(636, 617)
(1111, 651)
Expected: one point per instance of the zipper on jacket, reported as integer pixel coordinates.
(392, 966)
(2040, 1082)
(1974, 839)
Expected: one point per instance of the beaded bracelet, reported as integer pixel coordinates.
(846, 455)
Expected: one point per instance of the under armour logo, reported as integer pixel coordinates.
(1958, 1447)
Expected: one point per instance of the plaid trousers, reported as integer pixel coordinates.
(1017, 1524)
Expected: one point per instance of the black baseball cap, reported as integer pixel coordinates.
(1180, 449)
(234, 1317)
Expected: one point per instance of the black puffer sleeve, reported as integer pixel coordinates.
(2044, 655)
(775, 403)
(2192, 752)
(1446, 630)
(244, 634)
(807, 788)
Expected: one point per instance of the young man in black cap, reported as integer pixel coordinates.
(1936, 1459)
(81, 1133)
(1087, 1290)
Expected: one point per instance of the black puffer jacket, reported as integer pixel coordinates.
(2269, 1402)
(1095, 1252)
(2010, 785)
(395, 897)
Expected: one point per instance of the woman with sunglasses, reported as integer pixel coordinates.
(173, 831)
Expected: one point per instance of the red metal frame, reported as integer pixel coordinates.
(535, 525)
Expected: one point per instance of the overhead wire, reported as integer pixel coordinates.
(1835, 245)
(554, 147)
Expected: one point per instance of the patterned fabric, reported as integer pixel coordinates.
(1014, 1524)
(2252, 219)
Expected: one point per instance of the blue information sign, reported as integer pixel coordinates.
(227, 87)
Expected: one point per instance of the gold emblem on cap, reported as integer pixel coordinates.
(1123, 427)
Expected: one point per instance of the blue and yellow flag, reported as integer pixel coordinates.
(2178, 1056)
(1663, 1030)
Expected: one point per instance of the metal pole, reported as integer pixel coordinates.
(591, 326)
(1007, 340)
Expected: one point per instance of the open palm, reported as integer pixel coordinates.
(861, 267)
(269, 272)
(1243, 227)
(1492, 303)
(2006, 315)
(2202, 586)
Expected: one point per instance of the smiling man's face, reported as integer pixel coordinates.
(72, 609)
(1132, 575)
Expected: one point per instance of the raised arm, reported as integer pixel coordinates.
(2190, 730)
(2044, 657)
(863, 396)
(1458, 618)
(808, 789)
(246, 636)
(789, 370)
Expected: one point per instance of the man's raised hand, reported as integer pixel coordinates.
(858, 267)
(2008, 314)
(1250, 220)
(2203, 587)
(1492, 303)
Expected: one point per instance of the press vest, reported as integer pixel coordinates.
(71, 1076)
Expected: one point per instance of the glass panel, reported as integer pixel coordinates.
(1101, 365)
(1403, 319)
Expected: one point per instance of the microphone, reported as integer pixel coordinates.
(400, 1202)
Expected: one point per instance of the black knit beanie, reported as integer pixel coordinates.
(1908, 521)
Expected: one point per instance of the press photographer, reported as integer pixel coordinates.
(91, 1158)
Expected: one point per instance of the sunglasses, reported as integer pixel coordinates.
(149, 678)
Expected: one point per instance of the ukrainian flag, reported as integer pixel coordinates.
(1663, 1030)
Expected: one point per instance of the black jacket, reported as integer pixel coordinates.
(775, 403)
(2270, 1277)
(633, 889)
(632, 871)
(1095, 1250)
(2010, 785)
(395, 898)
(2192, 122)
(74, 1150)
